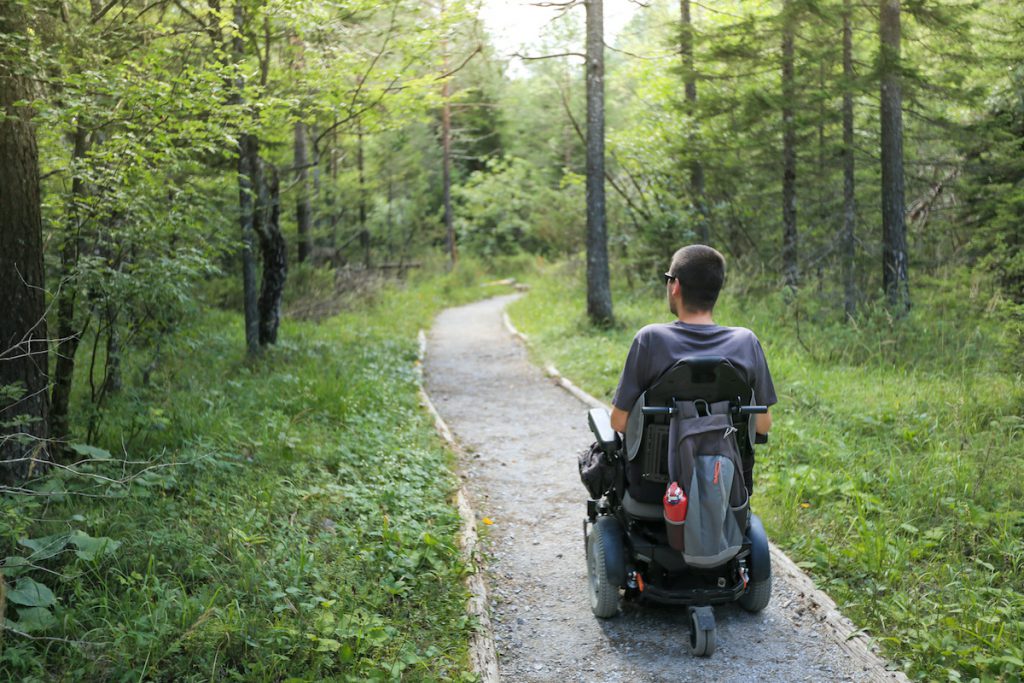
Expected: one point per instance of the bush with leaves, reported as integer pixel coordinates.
(509, 208)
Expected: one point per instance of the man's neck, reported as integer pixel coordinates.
(695, 317)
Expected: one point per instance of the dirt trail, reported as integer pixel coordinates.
(521, 434)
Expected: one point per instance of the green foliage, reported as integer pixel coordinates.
(280, 518)
(509, 208)
(893, 471)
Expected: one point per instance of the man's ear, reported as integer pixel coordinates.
(677, 291)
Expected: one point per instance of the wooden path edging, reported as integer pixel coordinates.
(482, 654)
(853, 641)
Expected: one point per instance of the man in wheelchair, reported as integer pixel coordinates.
(671, 519)
(694, 280)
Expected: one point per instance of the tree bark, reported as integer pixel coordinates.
(274, 252)
(319, 214)
(690, 90)
(303, 206)
(364, 233)
(24, 347)
(599, 294)
(248, 186)
(446, 152)
(849, 196)
(249, 182)
(68, 333)
(790, 266)
(112, 380)
(895, 280)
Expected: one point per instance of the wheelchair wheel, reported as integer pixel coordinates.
(757, 595)
(702, 640)
(603, 593)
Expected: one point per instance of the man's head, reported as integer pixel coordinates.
(700, 272)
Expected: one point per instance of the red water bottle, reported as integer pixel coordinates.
(675, 515)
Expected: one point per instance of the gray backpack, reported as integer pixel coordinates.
(704, 459)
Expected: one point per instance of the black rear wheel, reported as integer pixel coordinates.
(604, 595)
(757, 595)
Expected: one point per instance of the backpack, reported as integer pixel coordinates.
(704, 459)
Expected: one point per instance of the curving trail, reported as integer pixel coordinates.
(521, 434)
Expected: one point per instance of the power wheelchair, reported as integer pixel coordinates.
(628, 547)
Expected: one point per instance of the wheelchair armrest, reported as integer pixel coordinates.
(760, 438)
(601, 425)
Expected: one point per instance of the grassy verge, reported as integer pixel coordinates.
(895, 471)
(285, 519)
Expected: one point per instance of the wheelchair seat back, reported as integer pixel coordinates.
(707, 379)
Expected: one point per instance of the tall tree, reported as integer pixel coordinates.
(895, 280)
(267, 226)
(790, 265)
(24, 348)
(303, 204)
(849, 189)
(68, 333)
(446, 150)
(690, 91)
(248, 178)
(599, 292)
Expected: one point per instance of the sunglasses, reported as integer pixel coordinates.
(668, 277)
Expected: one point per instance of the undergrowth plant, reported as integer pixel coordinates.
(286, 518)
(894, 472)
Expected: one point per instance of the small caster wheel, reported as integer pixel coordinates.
(702, 632)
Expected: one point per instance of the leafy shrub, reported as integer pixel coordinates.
(510, 208)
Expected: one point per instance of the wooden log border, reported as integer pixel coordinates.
(483, 656)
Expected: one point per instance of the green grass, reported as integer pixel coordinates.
(895, 470)
(297, 526)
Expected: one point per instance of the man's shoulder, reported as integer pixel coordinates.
(739, 332)
(682, 329)
(654, 329)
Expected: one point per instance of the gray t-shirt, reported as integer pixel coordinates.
(658, 347)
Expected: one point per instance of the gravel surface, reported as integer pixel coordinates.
(521, 434)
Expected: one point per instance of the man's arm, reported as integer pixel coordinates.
(761, 425)
(620, 418)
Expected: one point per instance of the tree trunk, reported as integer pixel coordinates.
(112, 369)
(248, 185)
(68, 333)
(895, 280)
(24, 347)
(274, 252)
(446, 152)
(332, 169)
(599, 293)
(849, 196)
(303, 206)
(319, 214)
(690, 89)
(790, 266)
(364, 233)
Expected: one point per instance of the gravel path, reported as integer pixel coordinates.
(521, 435)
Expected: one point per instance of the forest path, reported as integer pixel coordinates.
(521, 433)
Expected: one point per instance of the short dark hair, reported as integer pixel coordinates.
(700, 271)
